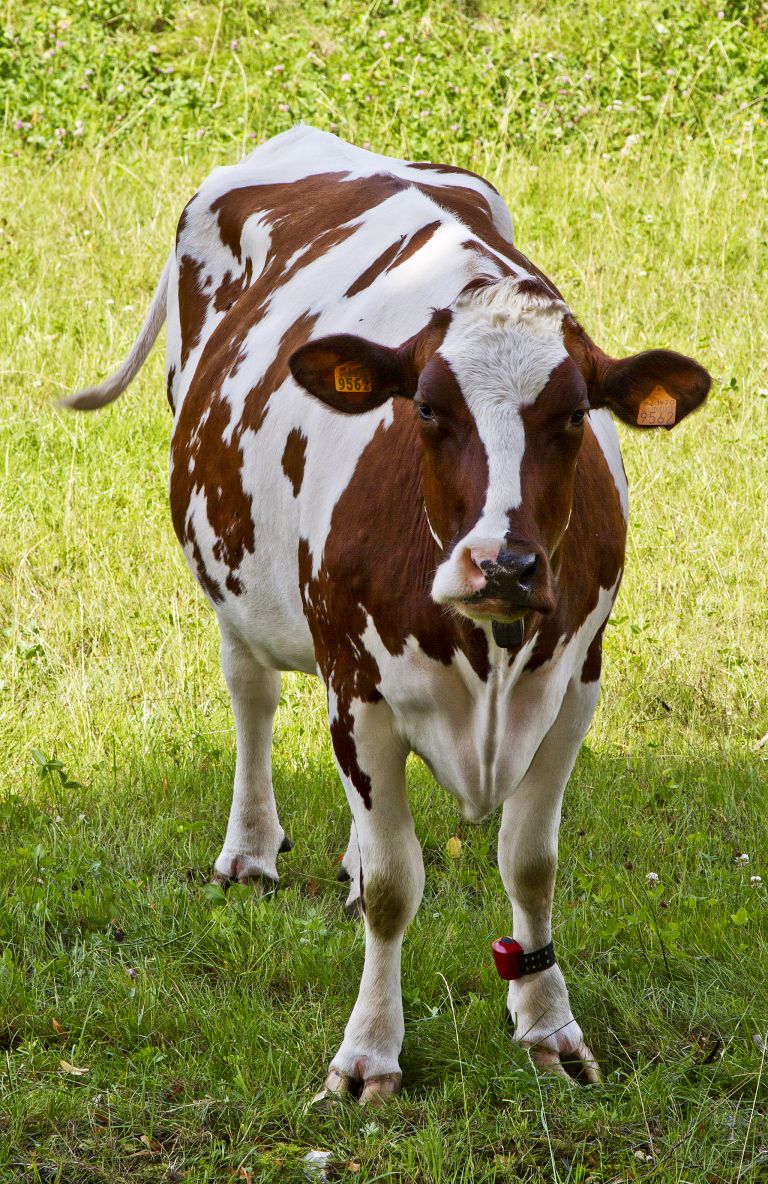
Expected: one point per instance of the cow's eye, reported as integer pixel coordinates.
(425, 412)
(578, 417)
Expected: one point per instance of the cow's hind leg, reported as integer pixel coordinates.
(538, 1003)
(371, 760)
(254, 835)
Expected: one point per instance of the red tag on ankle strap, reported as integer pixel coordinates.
(506, 955)
(512, 961)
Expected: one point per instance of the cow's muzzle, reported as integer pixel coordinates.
(508, 580)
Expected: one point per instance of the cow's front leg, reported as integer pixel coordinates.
(371, 760)
(254, 834)
(538, 1003)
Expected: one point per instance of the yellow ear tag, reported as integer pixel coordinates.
(657, 410)
(353, 379)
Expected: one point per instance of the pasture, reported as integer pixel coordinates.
(154, 1029)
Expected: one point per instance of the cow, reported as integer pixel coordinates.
(393, 464)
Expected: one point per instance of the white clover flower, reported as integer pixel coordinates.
(755, 881)
(742, 859)
(652, 879)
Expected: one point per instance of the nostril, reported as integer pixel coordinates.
(527, 568)
(522, 565)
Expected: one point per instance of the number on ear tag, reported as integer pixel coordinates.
(657, 410)
(353, 379)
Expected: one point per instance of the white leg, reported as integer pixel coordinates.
(392, 874)
(254, 834)
(349, 869)
(538, 1003)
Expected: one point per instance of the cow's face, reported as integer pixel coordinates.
(501, 384)
(501, 409)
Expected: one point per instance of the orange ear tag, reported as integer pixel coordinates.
(657, 410)
(353, 379)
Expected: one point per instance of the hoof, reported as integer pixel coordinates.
(369, 1091)
(336, 1086)
(342, 875)
(244, 869)
(378, 1090)
(577, 1067)
(286, 845)
(261, 884)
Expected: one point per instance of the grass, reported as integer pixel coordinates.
(204, 1024)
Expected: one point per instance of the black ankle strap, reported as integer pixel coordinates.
(512, 962)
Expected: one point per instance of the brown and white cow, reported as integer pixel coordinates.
(394, 465)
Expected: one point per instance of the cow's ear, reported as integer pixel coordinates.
(351, 374)
(654, 389)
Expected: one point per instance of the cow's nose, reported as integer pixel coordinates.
(509, 572)
(520, 564)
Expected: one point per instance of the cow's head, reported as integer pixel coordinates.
(501, 384)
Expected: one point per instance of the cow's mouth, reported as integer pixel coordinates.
(492, 608)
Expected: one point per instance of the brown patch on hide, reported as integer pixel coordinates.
(449, 169)
(348, 670)
(231, 287)
(207, 582)
(590, 556)
(193, 305)
(417, 240)
(455, 464)
(294, 455)
(593, 663)
(379, 265)
(169, 378)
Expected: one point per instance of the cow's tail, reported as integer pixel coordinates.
(93, 397)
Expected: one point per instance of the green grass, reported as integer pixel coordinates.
(206, 1026)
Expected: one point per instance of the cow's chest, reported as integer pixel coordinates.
(479, 742)
(479, 736)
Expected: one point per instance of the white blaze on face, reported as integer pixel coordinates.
(502, 346)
